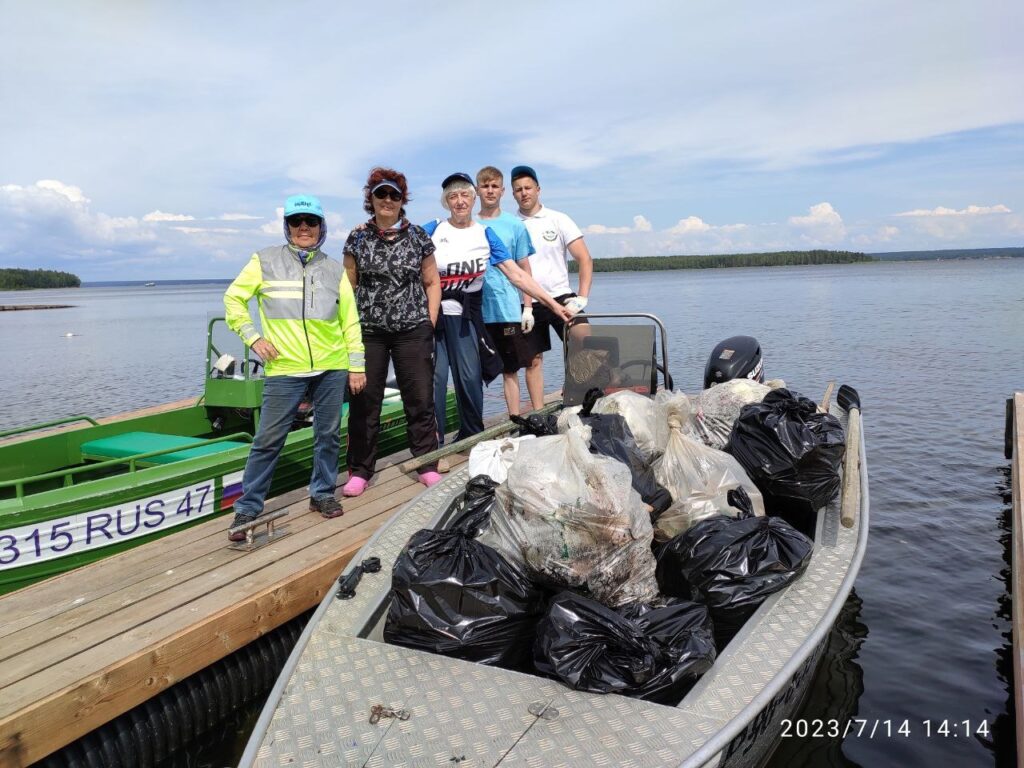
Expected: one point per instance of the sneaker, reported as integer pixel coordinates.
(239, 520)
(328, 507)
(430, 478)
(355, 486)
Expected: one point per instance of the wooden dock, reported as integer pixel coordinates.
(80, 649)
(1015, 446)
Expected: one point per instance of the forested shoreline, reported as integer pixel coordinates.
(26, 279)
(722, 261)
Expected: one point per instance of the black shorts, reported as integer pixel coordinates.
(517, 349)
(545, 319)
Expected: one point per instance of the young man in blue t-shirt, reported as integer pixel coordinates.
(507, 313)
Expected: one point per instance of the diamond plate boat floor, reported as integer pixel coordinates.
(462, 713)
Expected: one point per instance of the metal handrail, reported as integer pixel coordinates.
(57, 423)
(212, 348)
(67, 474)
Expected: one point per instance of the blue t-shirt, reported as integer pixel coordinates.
(462, 256)
(500, 298)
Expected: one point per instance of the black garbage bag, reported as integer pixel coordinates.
(792, 453)
(470, 512)
(461, 598)
(731, 565)
(611, 436)
(536, 424)
(653, 652)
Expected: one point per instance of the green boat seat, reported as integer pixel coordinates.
(130, 444)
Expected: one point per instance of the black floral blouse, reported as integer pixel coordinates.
(389, 290)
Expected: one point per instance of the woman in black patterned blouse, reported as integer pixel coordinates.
(391, 266)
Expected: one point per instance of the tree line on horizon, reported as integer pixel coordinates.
(721, 261)
(24, 279)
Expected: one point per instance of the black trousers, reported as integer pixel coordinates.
(412, 354)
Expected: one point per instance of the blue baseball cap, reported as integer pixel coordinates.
(303, 204)
(523, 170)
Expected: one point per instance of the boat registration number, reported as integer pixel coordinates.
(51, 539)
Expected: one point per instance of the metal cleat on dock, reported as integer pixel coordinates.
(254, 537)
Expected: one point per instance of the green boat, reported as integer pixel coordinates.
(71, 496)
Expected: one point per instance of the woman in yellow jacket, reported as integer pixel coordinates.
(310, 342)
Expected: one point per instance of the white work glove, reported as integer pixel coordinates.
(576, 304)
(527, 322)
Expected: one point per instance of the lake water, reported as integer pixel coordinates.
(934, 348)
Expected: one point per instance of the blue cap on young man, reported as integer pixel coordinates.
(523, 170)
(303, 204)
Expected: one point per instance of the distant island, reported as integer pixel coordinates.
(788, 258)
(773, 259)
(26, 279)
(952, 253)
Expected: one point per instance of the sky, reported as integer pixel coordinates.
(143, 140)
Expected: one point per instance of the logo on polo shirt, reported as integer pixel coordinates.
(549, 234)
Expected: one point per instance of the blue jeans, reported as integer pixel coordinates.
(281, 398)
(457, 347)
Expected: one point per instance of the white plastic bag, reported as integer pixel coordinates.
(494, 457)
(717, 408)
(698, 477)
(574, 520)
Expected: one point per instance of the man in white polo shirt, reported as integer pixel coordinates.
(555, 237)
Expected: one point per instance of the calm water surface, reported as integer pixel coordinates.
(934, 349)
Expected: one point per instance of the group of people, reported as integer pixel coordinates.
(425, 299)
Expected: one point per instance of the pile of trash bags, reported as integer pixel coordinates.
(613, 547)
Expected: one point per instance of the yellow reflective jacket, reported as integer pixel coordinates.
(308, 312)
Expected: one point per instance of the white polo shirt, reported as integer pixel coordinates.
(551, 232)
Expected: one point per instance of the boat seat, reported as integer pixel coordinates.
(130, 444)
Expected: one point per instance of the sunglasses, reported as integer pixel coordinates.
(299, 219)
(387, 193)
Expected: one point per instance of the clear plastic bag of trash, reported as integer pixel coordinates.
(649, 651)
(574, 520)
(716, 409)
(493, 457)
(456, 596)
(611, 436)
(731, 564)
(699, 478)
(792, 452)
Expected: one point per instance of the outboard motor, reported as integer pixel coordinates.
(738, 357)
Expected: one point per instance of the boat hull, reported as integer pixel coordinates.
(733, 716)
(64, 527)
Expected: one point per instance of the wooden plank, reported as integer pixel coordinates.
(52, 597)
(168, 648)
(497, 430)
(850, 505)
(91, 686)
(65, 636)
(1017, 568)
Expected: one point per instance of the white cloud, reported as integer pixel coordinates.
(970, 210)
(74, 194)
(823, 226)
(207, 230)
(688, 225)
(238, 217)
(161, 216)
(640, 224)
